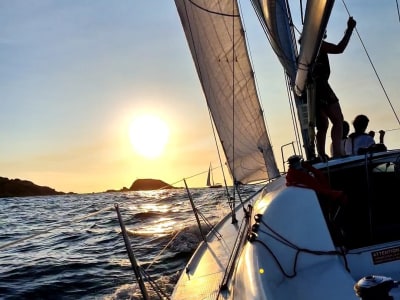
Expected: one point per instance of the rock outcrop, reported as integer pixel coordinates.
(149, 184)
(24, 188)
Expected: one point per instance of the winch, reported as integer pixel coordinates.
(374, 287)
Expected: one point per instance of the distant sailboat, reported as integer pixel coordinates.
(210, 179)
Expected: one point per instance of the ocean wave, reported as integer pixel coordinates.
(71, 246)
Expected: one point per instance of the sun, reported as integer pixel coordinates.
(149, 135)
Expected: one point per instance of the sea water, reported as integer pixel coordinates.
(71, 246)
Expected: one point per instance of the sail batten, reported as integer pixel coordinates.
(216, 39)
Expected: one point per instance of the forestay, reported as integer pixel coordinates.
(216, 39)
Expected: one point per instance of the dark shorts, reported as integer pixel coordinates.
(324, 94)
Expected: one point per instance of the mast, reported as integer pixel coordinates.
(276, 20)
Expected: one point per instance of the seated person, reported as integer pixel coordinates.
(344, 141)
(359, 141)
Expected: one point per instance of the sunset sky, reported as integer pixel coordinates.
(76, 74)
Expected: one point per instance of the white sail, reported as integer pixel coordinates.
(316, 19)
(216, 39)
(275, 17)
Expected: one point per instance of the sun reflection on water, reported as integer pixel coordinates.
(158, 228)
(150, 207)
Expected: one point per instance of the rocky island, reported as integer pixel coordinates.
(145, 185)
(149, 184)
(24, 188)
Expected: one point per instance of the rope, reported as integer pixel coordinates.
(373, 67)
(233, 116)
(212, 12)
(156, 288)
(163, 249)
(298, 249)
(208, 223)
(398, 12)
(293, 116)
(219, 152)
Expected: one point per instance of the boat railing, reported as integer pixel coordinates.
(283, 156)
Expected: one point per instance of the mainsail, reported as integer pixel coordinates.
(216, 39)
(276, 20)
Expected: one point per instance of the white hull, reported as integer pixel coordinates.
(308, 236)
(294, 254)
(203, 275)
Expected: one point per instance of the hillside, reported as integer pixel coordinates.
(23, 188)
(149, 184)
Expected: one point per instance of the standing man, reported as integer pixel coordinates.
(327, 104)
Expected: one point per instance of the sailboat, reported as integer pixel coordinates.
(210, 179)
(320, 230)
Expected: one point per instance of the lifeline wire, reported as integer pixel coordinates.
(373, 67)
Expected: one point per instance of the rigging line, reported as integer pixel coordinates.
(280, 238)
(253, 70)
(233, 105)
(211, 228)
(293, 29)
(292, 112)
(163, 249)
(267, 29)
(213, 12)
(301, 10)
(156, 288)
(373, 67)
(192, 176)
(269, 38)
(393, 129)
(252, 66)
(219, 153)
(398, 12)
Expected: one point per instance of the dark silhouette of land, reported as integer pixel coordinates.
(145, 185)
(149, 184)
(25, 188)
